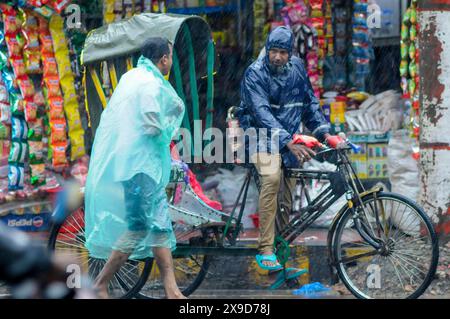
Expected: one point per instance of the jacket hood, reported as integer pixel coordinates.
(281, 37)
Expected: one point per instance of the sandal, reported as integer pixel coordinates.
(284, 276)
(271, 258)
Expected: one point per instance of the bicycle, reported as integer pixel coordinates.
(380, 244)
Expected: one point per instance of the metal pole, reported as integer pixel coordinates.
(434, 62)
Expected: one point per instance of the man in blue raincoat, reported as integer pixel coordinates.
(126, 205)
(276, 98)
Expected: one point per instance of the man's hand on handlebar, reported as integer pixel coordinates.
(301, 152)
(336, 141)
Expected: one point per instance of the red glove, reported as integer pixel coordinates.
(334, 140)
(306, 140)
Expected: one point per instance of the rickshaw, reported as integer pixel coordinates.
(380, 244)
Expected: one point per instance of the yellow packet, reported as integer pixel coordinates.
(77, 144)
(73, 119)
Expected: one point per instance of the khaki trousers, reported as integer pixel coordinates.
(274, 188)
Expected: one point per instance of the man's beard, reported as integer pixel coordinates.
(278, 69)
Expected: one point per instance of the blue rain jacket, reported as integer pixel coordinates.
(280, 100)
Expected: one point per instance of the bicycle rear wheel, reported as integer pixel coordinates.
(406, 262)
(68, 241)
(136, 278)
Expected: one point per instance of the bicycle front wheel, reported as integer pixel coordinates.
(405, 262)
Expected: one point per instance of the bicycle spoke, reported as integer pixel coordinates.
(71, 239)
(67, 244)
(411, 255)
(409, 273)
(409, 263)
(398, 275)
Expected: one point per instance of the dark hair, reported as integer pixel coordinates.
(155, 48)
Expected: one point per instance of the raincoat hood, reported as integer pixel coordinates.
(282, 38)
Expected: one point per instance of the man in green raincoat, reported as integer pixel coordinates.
(126, 204)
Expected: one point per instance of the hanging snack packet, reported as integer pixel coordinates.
(19, 129)
(3, 61)
(53, 89)
(4, 97)
(59, 155)
(32, 61)
(37, 174)
(30, 111)
(19, 67)
(412, 69)
(26, 87)
(64, 64)
(46, 43)
(50, 65)
(58, 134)
(18, 152)
(5, 113)
(36, 152)
(17, 105)
(4, 132)
(36, 130)
(16, 177)
(56, 108)
(31, 39)
(77, 144)
(11, 25)
(404, 68)
(42, 25)
(13, 45)
(59, 40)
(8, 80)
(39, 98)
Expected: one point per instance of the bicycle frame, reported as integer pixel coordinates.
(342, 181)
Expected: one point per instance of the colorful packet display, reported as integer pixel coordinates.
(36, 130)
(14, 47)
(5, 113)
(59, 158)
(31, 109)
(4, 96)
(56, 106)
(32, 61)
(77, 144)
(58, 129)
(38, 174)
(4, 132)
(67, 80)
(39, 98)
(19, 67)
(36, 152)
(10, 22)
(17, 105)
(46, 43)
(50, 65)
(16, 177)
(52, 85)
(19, 129)
(18, 152)
(26, 87)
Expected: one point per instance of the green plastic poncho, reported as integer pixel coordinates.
(131, 145)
